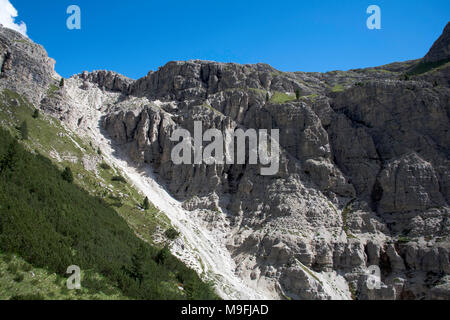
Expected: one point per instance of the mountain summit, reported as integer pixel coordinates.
(440, 50)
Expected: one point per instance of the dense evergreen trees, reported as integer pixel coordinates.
(119, 179)
(54, 224)
(36, 114)
(146, 204)
(67, 175)
(171, 233)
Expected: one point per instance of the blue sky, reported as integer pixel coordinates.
(135, 36)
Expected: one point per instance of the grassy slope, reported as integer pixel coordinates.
(424, 67)
(19, 280)
(47, 136)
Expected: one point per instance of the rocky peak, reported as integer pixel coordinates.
(25, 64)
(440, 51)
(197, 79)
(107, 80)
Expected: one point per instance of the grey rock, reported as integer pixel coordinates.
(107, 80)
(409, 183)
(364, 165)
(441, 48)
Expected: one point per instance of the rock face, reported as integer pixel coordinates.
(107, 80)
(441, 48)
(363, 177)
(25, 64)
(409, 183)
(438, 60)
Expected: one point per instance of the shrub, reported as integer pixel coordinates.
(162, 255)
(27, 267)
(30, 296)
(67, 175)
(24, 130)
(403, 239)
(13, 268)
(281, 98)
(338, 88)
(171, 233)
(19, 277)
(105, 166)
(119, 179)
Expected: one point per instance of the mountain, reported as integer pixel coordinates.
(435, 60)
(440, 51)
(363, 177)
(51, 218)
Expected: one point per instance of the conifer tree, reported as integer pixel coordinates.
(67, 175)
(162, 255)
(297, 94)
(146, 204)
(24, 130)
(7, 162)
(138, 261)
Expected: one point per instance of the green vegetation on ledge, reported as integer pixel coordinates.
(281, 97)
(338, 88)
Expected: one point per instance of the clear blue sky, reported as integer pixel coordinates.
(135, 36)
